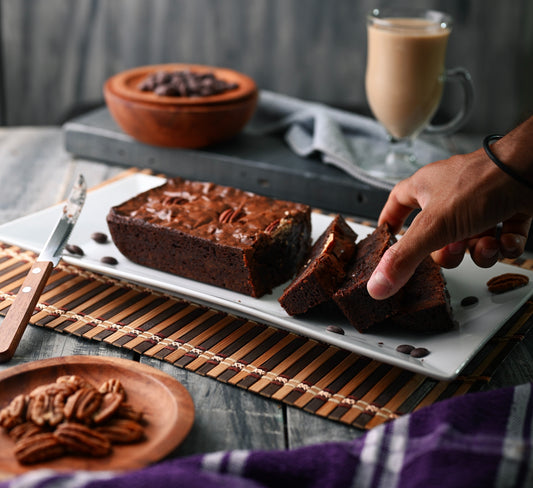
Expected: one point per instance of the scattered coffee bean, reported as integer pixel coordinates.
(73, 249)
(99, 237)
(109, 260)
(185, 84)
(469, 301)
(405, 348)
(419, 352)
(335, 329)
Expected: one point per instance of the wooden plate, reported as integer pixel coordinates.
(167, 406)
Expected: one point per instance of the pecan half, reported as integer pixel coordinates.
(122, 431)
(38, 448)
(126, 411)
(108, 406)
(80, 439)
(38, 408)
(58, 408)
(75, 381)
(111, 385)
(230, 215)
(173, 200)
(26, 429)
(14, 413)
(507, 282)
(7, 421)
(46, 403)
(52, 389)
(82, 404)
(272, 226)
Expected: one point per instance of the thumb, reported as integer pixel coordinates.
(391, 273)
(400, 261)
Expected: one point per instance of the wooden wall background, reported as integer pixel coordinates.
(56, 54)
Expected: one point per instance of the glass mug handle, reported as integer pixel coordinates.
(462, 76)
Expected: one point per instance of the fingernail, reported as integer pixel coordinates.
(379, 286)
(456, 248)
(510, 249)
(489, 253)
(511, 245)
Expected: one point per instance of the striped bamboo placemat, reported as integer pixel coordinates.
(277, 364)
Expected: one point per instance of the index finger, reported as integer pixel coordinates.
(399, 262)
(401, 202)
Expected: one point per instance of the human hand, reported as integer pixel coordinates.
(462, 200)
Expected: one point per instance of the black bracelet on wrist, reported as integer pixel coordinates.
(510, 171)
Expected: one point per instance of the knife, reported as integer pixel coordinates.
(21, 310)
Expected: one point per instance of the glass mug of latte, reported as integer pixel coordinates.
(404, 81)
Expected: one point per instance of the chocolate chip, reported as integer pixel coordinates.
(469, 301)
(73, 249)
(335, 329)
(405, 348)
(109, 260)
(419, 352)
(99, 237)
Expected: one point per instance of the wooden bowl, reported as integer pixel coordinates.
(188, 122)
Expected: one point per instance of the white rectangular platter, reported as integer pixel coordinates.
(449, 352)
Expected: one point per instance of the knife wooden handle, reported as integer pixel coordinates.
(21, 310)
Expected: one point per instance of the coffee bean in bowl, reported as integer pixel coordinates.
(185, 83)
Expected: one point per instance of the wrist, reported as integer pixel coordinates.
(519, 168)
(515, 150)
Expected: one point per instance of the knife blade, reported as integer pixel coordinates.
(21, 310)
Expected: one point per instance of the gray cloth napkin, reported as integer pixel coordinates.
(343, 139)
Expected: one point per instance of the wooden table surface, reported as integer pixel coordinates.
(36, 172)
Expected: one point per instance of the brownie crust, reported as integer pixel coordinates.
(324, 271)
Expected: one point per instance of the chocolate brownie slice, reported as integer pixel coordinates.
(361, 310)
(320, 277)
(425, 304)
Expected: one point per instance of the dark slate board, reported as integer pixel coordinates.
(261, 164)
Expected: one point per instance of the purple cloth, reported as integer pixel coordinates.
(476, 440)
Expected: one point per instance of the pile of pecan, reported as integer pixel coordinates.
(70, 417)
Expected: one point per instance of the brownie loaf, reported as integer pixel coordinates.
(423, 304)
(215, 234)
(324, 271)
